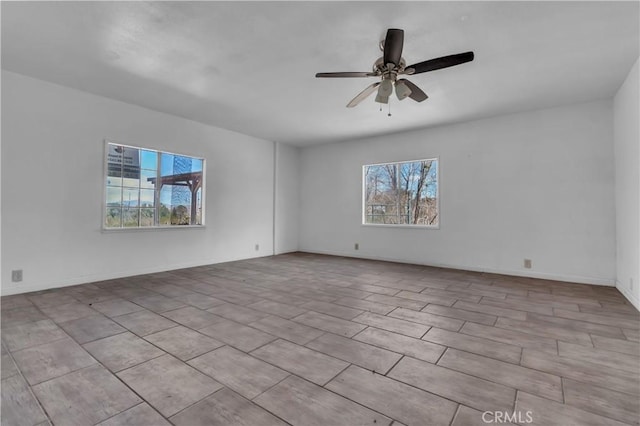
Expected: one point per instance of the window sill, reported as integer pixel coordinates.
(389, 225)
(150, 228)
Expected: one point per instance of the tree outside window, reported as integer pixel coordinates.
(402, 193)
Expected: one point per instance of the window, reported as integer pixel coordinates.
(404, 193)
(146, 188)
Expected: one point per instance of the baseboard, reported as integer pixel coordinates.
(518, 273)
(626, 293)
(122, 274)
(85, 279)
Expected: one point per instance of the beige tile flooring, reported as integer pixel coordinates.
(307, 340)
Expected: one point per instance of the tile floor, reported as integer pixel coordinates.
(307, 340)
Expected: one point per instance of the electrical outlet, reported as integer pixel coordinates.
(257, 247)
(16, 275)
(356, 246)
(527, 263)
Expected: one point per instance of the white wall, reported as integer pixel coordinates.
(627, 178)
(538, 185)
(535, 185)
(287, 198)
(52, 178)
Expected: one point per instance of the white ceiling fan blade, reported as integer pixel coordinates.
(362, 95)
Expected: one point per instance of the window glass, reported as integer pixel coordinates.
(135, 184)
(403, 193)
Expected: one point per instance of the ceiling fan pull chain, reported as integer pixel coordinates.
(389, 113)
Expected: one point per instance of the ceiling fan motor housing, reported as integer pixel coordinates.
(379, 67)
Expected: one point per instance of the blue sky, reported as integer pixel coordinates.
(148, 164)
(405, 169)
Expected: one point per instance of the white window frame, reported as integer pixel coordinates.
(105, 176)
(402, 225)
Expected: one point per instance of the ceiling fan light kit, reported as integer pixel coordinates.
(402, 90)
(384, 91)
(391, 65)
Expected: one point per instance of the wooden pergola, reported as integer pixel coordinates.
(192, 180)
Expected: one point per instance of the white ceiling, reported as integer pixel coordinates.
(250, 66)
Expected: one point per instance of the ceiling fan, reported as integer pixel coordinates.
(391, 65)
